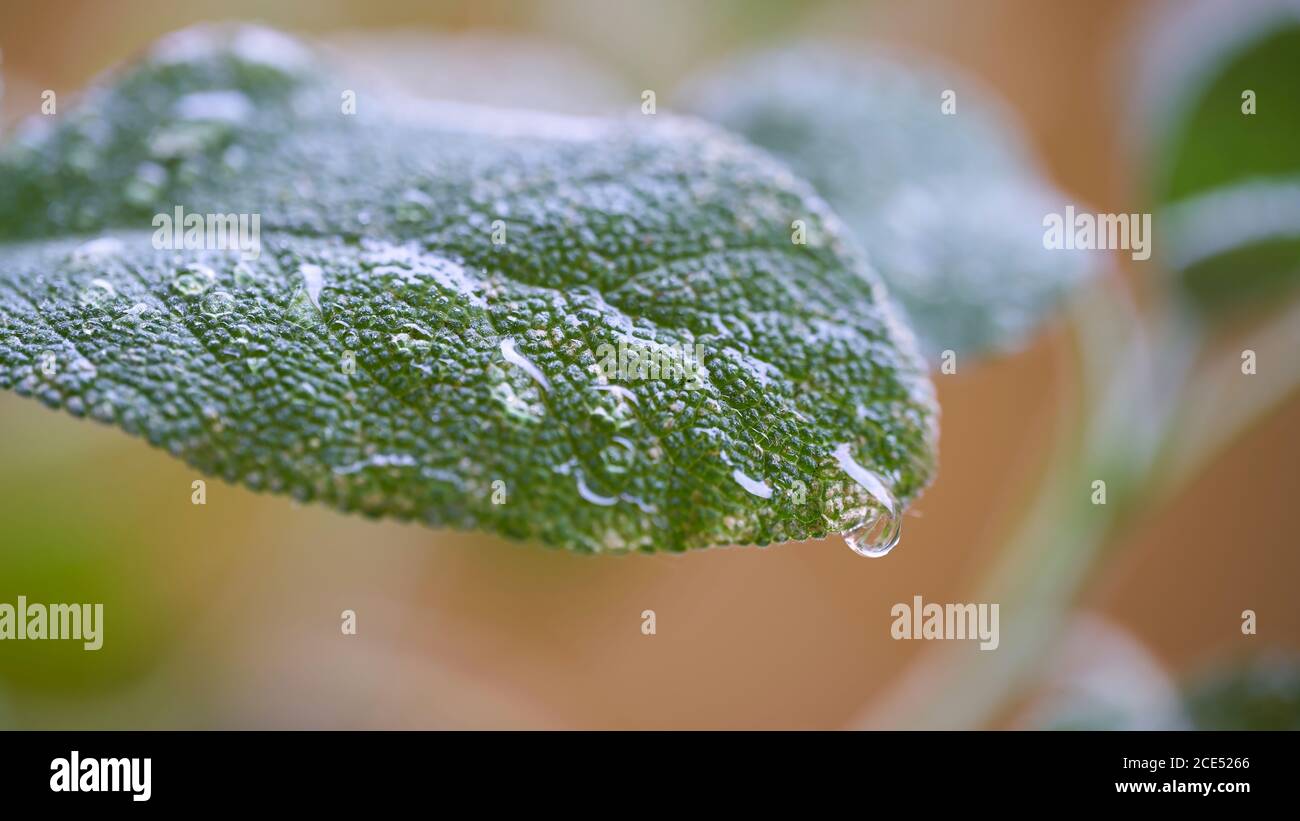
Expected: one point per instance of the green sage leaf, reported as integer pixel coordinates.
(1222, 110)
(926, 169)
(593, 333)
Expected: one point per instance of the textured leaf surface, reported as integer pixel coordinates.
(475, 362)
(947, 205)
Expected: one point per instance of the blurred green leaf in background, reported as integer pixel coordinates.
(1221, 106)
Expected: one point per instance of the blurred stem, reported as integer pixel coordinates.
(1223, 402)
(1147, 424)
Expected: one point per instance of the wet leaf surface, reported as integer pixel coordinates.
(432, 327)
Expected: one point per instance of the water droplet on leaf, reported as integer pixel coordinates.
(755, 486)
(99, 294)
(515, 358)
(192, 280)
(874, 529)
